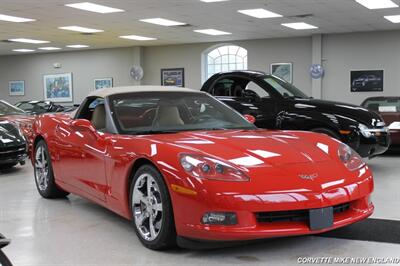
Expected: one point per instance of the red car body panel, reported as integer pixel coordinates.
(100, 167)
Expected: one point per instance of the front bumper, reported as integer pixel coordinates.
(248, 207)
(10, 155)
(377, 144)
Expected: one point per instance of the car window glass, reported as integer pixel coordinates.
(223, 87)
(8, 109)
(252, 86)
(138, 113)
(88, 109)
(284, 88)
(387, 105)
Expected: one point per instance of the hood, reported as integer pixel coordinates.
(10, 136)
(277, 160)
(352, 111)
(248, 148)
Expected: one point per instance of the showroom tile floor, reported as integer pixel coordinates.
(74, 231)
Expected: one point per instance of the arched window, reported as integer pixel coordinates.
(225, 58)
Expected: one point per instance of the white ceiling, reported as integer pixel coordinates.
(331, 16)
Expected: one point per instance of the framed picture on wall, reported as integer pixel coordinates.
(58, 87)
(103, 83)
(173, 77)
(16, 88)
(283, 71)
(366, 80)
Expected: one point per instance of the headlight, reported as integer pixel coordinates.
(365, 131)
(350, 158)
(210, 168)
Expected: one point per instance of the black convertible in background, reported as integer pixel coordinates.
(4, 261)
(277, 104)
(39, 107)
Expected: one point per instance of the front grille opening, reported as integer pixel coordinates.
(294, 216)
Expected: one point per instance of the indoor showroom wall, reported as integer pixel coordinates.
(340, 52)
(261, 53)
(84, 66)
(360, 51)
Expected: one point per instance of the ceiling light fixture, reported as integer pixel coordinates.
(163, 22)
(23, 50)
(259, 13)
(213, 32)
(25, 40)
(49, 48)
(77, 46)
(137, 38)
(299, 26)
(15, 19)
(377, 4)
(80, 29)
(87, 6)
(393, 19)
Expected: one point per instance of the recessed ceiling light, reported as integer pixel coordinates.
(163, 22)
(394, 18)
(259, 13)
(80, 29)
(213, 1)
(23, 50)
(87, 6)
(377, 4)
(77, 46)
(49, 48)
(299, 26)
(212, 32)
(14, 19)
(137, 38)
(24, 40)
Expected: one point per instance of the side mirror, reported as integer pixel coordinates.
(250, 118)
(84, 125)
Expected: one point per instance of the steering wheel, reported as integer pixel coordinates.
(251, 95)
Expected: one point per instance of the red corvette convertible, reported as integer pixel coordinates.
(184, 166)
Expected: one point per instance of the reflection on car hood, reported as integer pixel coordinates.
(250, 148)
(355, 112)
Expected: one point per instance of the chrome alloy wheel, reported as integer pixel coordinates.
(147, 207)
(41, 168)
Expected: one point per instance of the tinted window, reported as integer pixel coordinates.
(257, 89)
(284, 88)
(383, 104)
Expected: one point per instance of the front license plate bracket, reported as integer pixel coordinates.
(321, 218)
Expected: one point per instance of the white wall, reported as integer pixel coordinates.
(340, 53)
(261, 53)
(360, 51)
(84, 66)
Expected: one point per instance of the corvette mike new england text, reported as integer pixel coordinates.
(349, 260)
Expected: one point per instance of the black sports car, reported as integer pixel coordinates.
(277, 104)
(13, 145)
(39, 107)
(4, 261)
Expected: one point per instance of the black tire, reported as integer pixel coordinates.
(4, 261)
(327, 131)
(51, 190)
(7, 166)
(166, 237)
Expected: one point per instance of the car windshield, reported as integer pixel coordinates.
(164, 112)
(384, 105)
(284, 88)
(33, 106)
(8, 109)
